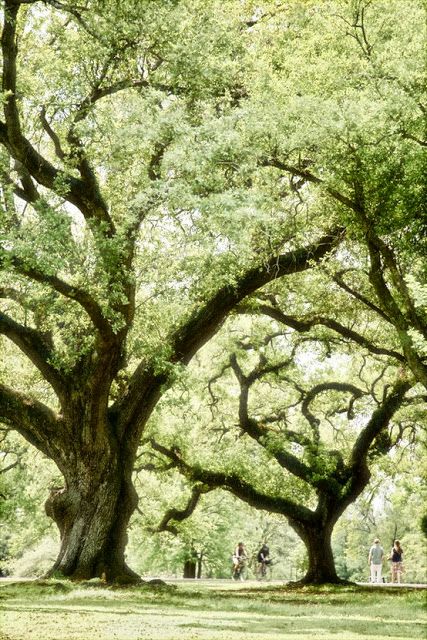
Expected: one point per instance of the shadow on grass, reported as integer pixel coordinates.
(90, 610)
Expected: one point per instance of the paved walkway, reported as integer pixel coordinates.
(212, 583)
(221, 582)
(375, 585)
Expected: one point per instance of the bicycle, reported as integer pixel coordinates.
(240, 570)
(264, 570)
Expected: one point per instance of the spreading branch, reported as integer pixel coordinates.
(52, 135)
(206, 320)
(358, 296)
(342, 387)
(35, 347)
(308, 176)
(288, 461)
(379, 421)
(79, 192)
(80, 296)
(178, 515)
(36, 422)
(235, 485)
(306, 324)
(400, 321)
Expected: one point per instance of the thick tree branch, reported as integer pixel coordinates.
(26, 192)
(314, 422)
(310, 177)
(378, 422)
(73, 293)
(306, 324)
(358, 296)
(78, 192)
(238, 487)
(262, 436)
(10, 466)
(52, 135)
(262, 369)
(415, 319)
(10, 294)
(178, 515)
(284, 458)
(32, 344)
(401, 323)
(38, 424)
(206, 320)
(77, 12)
(419, 141)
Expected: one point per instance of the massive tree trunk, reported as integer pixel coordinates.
(92, 512)
(95, 451)
(321, 564)
(316, 533)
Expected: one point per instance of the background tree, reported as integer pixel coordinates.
(296, 436)
(389, 508)
(354, 146)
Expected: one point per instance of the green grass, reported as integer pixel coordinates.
(55, 610)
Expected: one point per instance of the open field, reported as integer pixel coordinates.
(54, 610)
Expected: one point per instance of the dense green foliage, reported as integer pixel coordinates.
(167, 165)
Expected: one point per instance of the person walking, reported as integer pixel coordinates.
(375, 560)
(396, 557)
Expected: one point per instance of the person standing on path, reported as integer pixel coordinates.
(375, 560)
(396, 557)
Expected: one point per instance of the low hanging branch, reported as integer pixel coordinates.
(235, 485)
(178, 515)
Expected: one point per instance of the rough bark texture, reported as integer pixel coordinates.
(321, 565)
(92, 513)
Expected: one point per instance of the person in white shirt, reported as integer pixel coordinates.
(375, 560)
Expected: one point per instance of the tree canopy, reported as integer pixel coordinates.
(164, 163)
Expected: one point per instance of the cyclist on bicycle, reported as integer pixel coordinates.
(263, 557)
(239, 556)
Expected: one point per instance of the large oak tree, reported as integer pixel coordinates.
(160, 163)
(114, 271)
(289, 426)
(356, 148)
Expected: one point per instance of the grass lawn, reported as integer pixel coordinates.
(55, 610)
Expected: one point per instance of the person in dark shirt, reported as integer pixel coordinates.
(263, 558)
(396, 557)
